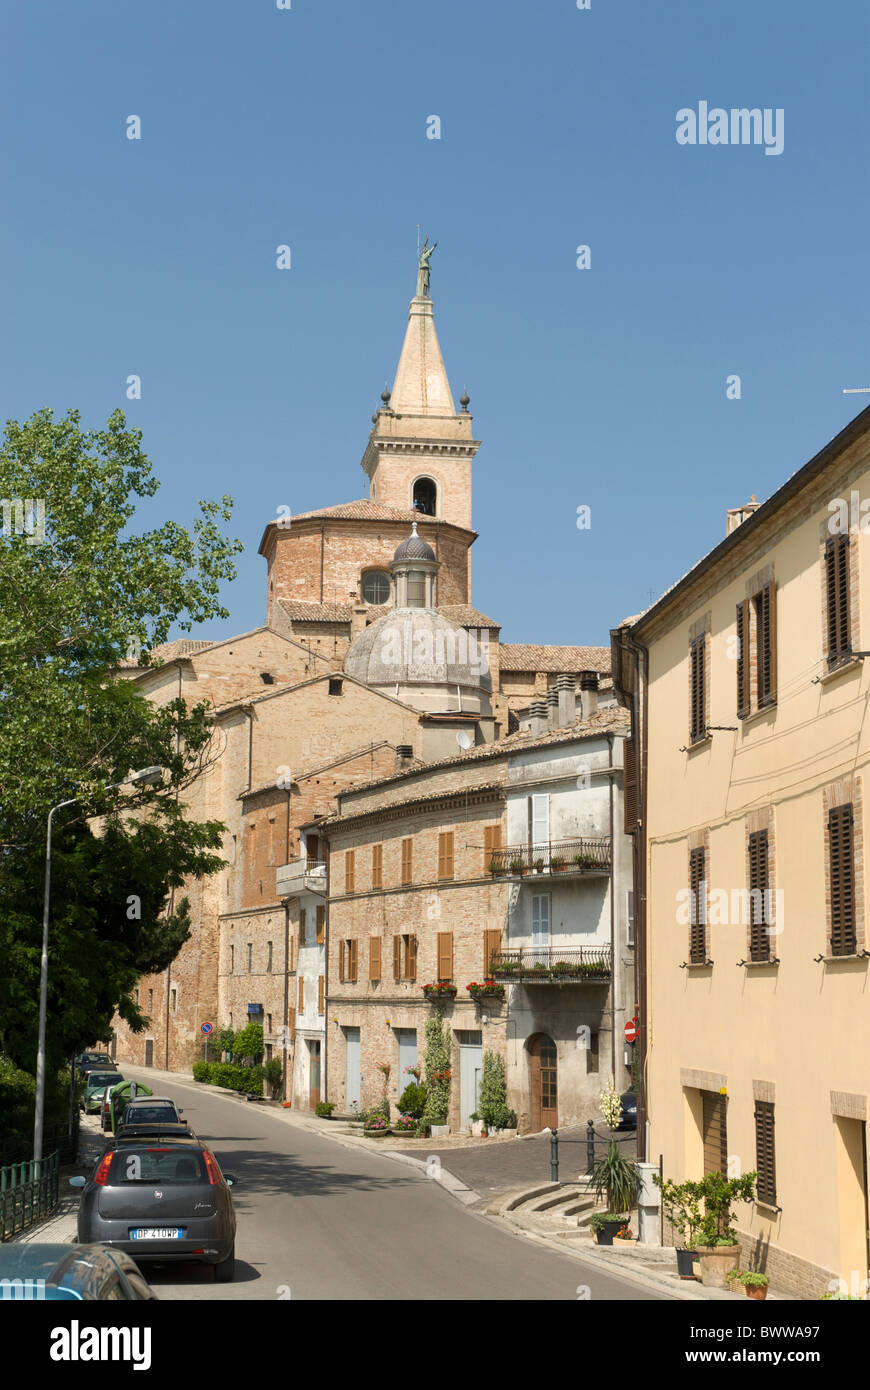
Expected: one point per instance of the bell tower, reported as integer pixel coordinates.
(420, 451)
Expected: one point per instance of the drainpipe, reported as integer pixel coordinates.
(286, 990)
(639, 717)
(612, 917)
(324, 1050)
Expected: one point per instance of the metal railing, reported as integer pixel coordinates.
(595, 1144)
(28, 1191)
(553, 964)
(588, 856)
(63, 1137)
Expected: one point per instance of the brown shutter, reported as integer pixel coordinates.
(291, 1022)
(491, 842)
(374, 957)
(445, 854)
(698, 902)
(407, 860)
(698, 720)
(412, 957)
(397, 958)
(349, 870)
(837, 596)
(341, 975)
(445, 955)
(759, 943)
(491, 947)
(743, 661)
(842, 873)
(629, 785)
(377, 866)
(765, 1153)
(320, 984)
(770, 625)
(353, 971)
(300, 995)
(765, 676)
(321, 920)
(715, 1134)
(302, 926)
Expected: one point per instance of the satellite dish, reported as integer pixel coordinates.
(463, 739)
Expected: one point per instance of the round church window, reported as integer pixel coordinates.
(376, 587)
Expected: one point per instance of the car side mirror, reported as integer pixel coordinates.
(230, 1179)
(77, 1182)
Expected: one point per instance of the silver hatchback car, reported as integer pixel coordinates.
(163, 1200)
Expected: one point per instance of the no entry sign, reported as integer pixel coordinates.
(631, 1031)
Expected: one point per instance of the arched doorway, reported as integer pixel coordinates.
(425, 496)
(543, 1082)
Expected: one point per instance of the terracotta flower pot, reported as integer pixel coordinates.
(716, 1261)
(756, 1291)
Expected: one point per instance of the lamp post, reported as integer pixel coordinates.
(148, 776)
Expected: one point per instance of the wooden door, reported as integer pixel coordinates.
(149, 1052)
(352, 1067)
(715, 1134)
(543, 1082)
(313, 1074)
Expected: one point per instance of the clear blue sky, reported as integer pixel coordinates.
(603, 387)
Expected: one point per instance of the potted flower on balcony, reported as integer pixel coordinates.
(441, 990)
(718, 1250)
(494, 867)
(507, 967)
(486, 990)
(539, 866)
(516, 866)
(558, 863)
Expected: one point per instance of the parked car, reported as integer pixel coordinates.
(95, 1061)
(95, 1088)
(628, 1118)
(80, 1272)
(151, 1110)
(116, 1100)
(165, 1201)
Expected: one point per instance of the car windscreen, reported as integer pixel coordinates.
(155, 1165)
(98, 1081)
(150, 1115)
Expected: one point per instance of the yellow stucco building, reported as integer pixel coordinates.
(749, 688)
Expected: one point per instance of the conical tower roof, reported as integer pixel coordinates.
(421, 386)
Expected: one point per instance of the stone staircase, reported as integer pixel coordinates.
(553, 1209)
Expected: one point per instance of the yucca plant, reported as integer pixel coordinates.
(618, 1177)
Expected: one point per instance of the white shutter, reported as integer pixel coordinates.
(540, 819)
(540, 921)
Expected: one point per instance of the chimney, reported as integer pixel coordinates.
(404, 756)
(566, 694)
(552, 708)
(589, 693)
(735, 516)
(538, 717)
(357, 615)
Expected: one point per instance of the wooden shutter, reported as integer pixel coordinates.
(445, 955)
(397, 958)
(629, 785)
(377, 866)
(352, 967)
(697, 650)
(759, 942)
(300, 995)
(765, 1153)
(715, 1134)
(445, 854)
(491, 947)
(765, 655)
(412, 957)
(841, 853)
(291, 1022)
(698, 902)
(321, 921)
(320, 985)
(374, 957)
(302, 926)
(539, 820)
(407, 860)
(349, 870)
(743, 659)
(491, 842)
(341, 975)
(837, 596)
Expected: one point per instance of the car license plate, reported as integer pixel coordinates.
(157, 1233)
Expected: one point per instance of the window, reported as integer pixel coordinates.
(445, 854)
(445, 955)
(765, 1157)
(349, 870)
(697, 907)
(425, 496)
(759, 939)
(629, 785)
(416, 589)
(837, 598)
(539, 820)
(756, 651)
(404, 957)
(334, 686)
(269, 958)
(765, 608)
(376, 587)
(491, 842)
(629, 918)
(320, 927)
(347, 961)
(540, 921)
(150, 1000)
(698, 714)
(743, 660)
(250, 955)
(268, 1023)
(491, 947)
(320, 989)
(407, 860)
(374, 958)
(841, 864)
(714, 1133)
(377, 866)
(300, 995)
(303, 927)
(173, 999)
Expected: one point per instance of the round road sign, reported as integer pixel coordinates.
(631, 1031)
(207, 1028)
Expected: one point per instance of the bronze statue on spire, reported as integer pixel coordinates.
(423, 269)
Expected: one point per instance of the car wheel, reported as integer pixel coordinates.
(225, 1272)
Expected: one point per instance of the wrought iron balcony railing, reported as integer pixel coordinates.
(554, 965)
(588, 856)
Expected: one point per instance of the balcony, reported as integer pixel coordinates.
(554, 965)
(300, 876)
(567, 858)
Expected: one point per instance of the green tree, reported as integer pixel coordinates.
(437, 1071)
(492, 1104)
(88, 596)
(249, 1042)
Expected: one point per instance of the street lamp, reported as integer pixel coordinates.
(146, 776)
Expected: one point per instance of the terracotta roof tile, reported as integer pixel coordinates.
(523, 656)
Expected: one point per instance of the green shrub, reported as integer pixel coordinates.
(202, 1071)
(492, 1105)
(273, 1073)
(412, 1101)
(249, 1042)
(324, 1108)
(437, 1072)
(225, 1042)
(248, 1080)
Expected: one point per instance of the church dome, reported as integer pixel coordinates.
(417, 648)
(414, 548)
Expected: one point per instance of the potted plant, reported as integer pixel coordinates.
(558, 863)
(441, 989)
(324, 1108)
(516, 866)
(623, 1236)
(405, 1124)
(717, 1248)
(683, 1210)
(754, 1284)
(494, 867)
(539, 866)
(487, 989)
(376, 1126)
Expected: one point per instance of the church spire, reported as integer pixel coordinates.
(421, 386)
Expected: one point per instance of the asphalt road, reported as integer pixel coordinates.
(318, 1219)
